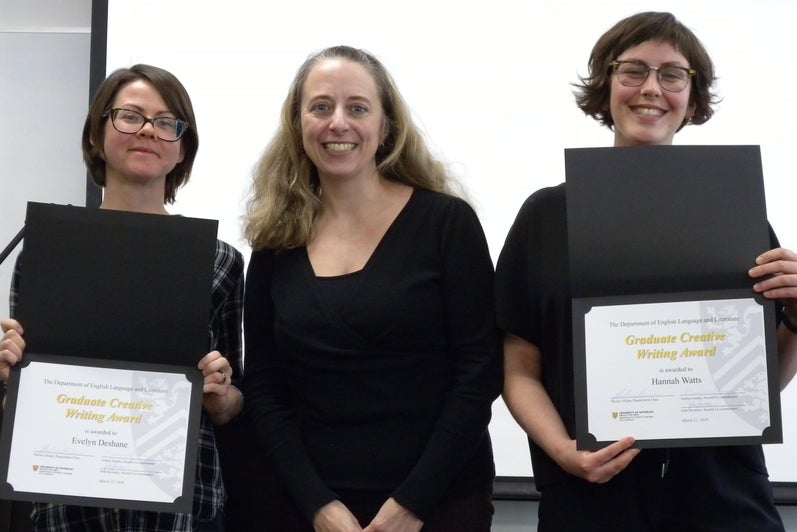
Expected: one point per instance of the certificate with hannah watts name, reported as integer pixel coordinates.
(681, 372)
(101, 435)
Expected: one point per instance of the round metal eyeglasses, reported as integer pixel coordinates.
(672, 78)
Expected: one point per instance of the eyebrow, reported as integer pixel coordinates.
(138, 108)
(666, 63)
(349, 99)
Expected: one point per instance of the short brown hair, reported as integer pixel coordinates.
(593, 93)
(178, 102)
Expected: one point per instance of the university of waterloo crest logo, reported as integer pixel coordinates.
(35, 468)
(614, 415)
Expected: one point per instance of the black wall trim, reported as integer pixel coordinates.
(97, 60)
(525, 489)
(784, 492)
(515, 489)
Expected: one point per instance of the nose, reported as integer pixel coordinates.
(338, 120)
(651, 86)
(147, 130)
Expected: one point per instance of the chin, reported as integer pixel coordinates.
(644, 140)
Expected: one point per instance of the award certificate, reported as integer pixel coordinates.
(102, 436)
(677, 373)
(108, 414)
(671, 344)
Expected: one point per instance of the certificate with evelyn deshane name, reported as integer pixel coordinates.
(671, 344)
(102, 433)
(104, 409)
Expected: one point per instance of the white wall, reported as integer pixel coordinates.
(44, 68)
(489, 83)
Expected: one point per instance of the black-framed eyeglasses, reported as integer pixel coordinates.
(672, 78)
(128, 121)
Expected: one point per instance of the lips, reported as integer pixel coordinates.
(339, 147)
(648, 111)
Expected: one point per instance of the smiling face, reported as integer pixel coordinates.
(342, 120)
(141, 158)
(648, 115)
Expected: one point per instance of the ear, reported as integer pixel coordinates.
(690, 112)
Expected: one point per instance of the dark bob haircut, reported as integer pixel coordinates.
(178, 102)
(593, 93)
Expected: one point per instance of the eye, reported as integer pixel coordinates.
(166, 122)
(131, 117)
(673, 74)
(633, 70)
(359, 109)
(320, 107)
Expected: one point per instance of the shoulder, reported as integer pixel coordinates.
(546, 196)
(227, 252)
(228, 259)
(261, 261)
(543, 215)
(429, 200)
(543, 203)
(444, 220)
(432, 197)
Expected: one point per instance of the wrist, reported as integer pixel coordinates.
(561, 451)
(236, 401)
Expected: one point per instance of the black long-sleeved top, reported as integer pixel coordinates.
(533, 302)
(379, 382)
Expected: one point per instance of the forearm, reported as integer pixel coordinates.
(528, 401)
(532, 408)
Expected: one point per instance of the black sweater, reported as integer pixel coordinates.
(379, 382)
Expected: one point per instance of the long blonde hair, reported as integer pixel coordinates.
(285, 193)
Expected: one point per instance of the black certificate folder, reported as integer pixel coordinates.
(671, 344)
(111, 284)
(104, 409)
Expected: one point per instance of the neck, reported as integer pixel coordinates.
(133, 199)
(354, 198)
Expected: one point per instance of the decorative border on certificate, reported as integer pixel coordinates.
(676, 370)
(93, 432)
